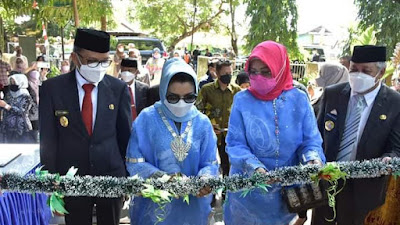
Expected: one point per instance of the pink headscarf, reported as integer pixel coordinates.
(274, 55)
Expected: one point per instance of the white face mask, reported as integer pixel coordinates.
(93, 75)
(361, 82)
(65, 69)
(179, 109)
(127, 76)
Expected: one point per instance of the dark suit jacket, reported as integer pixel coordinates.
(64, 145)
(381, 137)
(153, 95)
(141, 90)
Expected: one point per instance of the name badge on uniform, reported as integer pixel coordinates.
(61, 112)
(329, 125)
(64, 121)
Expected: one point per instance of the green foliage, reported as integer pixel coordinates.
(172, 20)
(273, 20)
(113, 42)
(304, 80)
(12, 8)
(54, 71)
(359, 36)
(61, 11)
(385, 17)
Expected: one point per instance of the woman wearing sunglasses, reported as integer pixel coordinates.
(272, 125)
(172, 137)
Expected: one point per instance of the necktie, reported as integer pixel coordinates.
(87, 108)
(133, 107)
(350, 133)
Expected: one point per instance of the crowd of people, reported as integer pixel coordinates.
(108, 126)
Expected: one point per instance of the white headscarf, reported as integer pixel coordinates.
(22, 82)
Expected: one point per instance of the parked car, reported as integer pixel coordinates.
(144, 44)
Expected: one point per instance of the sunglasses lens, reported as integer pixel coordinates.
(173, 99)
(190, 98)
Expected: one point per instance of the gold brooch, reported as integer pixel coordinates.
(111, 106)
(64, 121)
(329, 125)
(383, 117)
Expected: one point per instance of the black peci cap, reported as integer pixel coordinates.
(129, 62)
(369, 53)
(93, 40)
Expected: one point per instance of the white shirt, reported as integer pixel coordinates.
(369, 99)
(80, 81)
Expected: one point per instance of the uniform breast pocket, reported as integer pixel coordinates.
(106, 118)
(63, 118)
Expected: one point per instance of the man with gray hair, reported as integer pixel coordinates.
(359, 120)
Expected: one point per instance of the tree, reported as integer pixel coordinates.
(359, 37)
(385, 17)
(232, 31)
(171, 20)
(64, 11)
(9, 10)
(273, 20)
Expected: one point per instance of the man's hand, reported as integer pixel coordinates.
(204, 191)
(386, 159)
(44, 72)
(261, 170)
(3, 104)
(217, 129)
(315, 162)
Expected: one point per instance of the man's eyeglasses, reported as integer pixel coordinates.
(95, 63)
(174, 98)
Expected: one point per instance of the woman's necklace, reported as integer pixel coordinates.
(178, 146)
(276, 133)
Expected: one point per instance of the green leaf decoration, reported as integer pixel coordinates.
(331, 173)
(37, 170)
(186, 199)
(263, 187)
(164, 195)
(396, 174)
(56, 203)
(160, 197)
(41, 173)
(165, 178)
(71, 172)
(245, 193)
